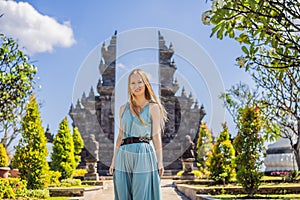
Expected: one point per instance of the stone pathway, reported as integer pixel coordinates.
(167, 188)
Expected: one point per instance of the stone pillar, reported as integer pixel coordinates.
(91, 166)
(188, 167)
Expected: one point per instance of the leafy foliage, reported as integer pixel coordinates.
(31, 152)
(240, 96)
(63, 159)
(3, 156)
(79, 173)
(78, 144)
(249, 145)
(12, 188)
(268, 30)
(16, 85)
(204, 148)
(222, 162)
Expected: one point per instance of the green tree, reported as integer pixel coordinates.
(63, 159)
(280, 104)
(16, 85)
(31, 152)
(222, 162)
(78, 144)
(3, 156)
(249, 144)
(268, 30)
(204, 147)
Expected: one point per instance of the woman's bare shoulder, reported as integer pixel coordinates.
(154, 107)
(122, 108)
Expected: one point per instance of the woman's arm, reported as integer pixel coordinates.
(118, 142)
(156, 136)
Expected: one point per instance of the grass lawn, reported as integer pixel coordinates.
(269, 196)
(267, 185)
(262, 185)
(58, 198)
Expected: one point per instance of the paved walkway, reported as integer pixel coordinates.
(167, 187)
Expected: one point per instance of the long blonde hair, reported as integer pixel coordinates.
(149, 95)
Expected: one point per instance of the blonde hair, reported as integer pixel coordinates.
(149, 95)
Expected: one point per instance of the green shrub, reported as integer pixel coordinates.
(79, 172)
(222, 162)
(54, 177)
(3, 156)
(6, 190)
(31, 152)
(63, 158)
(39, 194)
(78, 144)
(196, 173)
(204, 148)
(249, 144)
(12, 188)
(70, 182)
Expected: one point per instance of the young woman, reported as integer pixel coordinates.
(136, 167)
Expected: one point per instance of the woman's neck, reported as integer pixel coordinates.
(141, 101)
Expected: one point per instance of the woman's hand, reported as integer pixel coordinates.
(161, 171)
(111, 170)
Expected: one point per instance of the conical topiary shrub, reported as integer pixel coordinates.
(4, 169)
(3, 156)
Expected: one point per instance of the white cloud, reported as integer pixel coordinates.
(121, 65)
(34, 31)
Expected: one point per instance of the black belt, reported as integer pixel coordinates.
(131, 140)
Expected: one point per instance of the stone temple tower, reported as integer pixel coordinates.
(94, 114)
(184, 113)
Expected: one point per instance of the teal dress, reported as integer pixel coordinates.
(136, 175)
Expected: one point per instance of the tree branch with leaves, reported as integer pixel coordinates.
(16, 85)
(269, 31)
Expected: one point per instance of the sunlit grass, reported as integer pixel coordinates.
(58, 198)
(268, 196)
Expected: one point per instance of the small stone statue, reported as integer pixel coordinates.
(188, 158)
(189, 152)
(92, 147)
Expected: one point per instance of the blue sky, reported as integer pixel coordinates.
(61, 35)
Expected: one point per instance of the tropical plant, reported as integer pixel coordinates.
(268, 30)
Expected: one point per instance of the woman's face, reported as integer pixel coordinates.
(137, 85)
